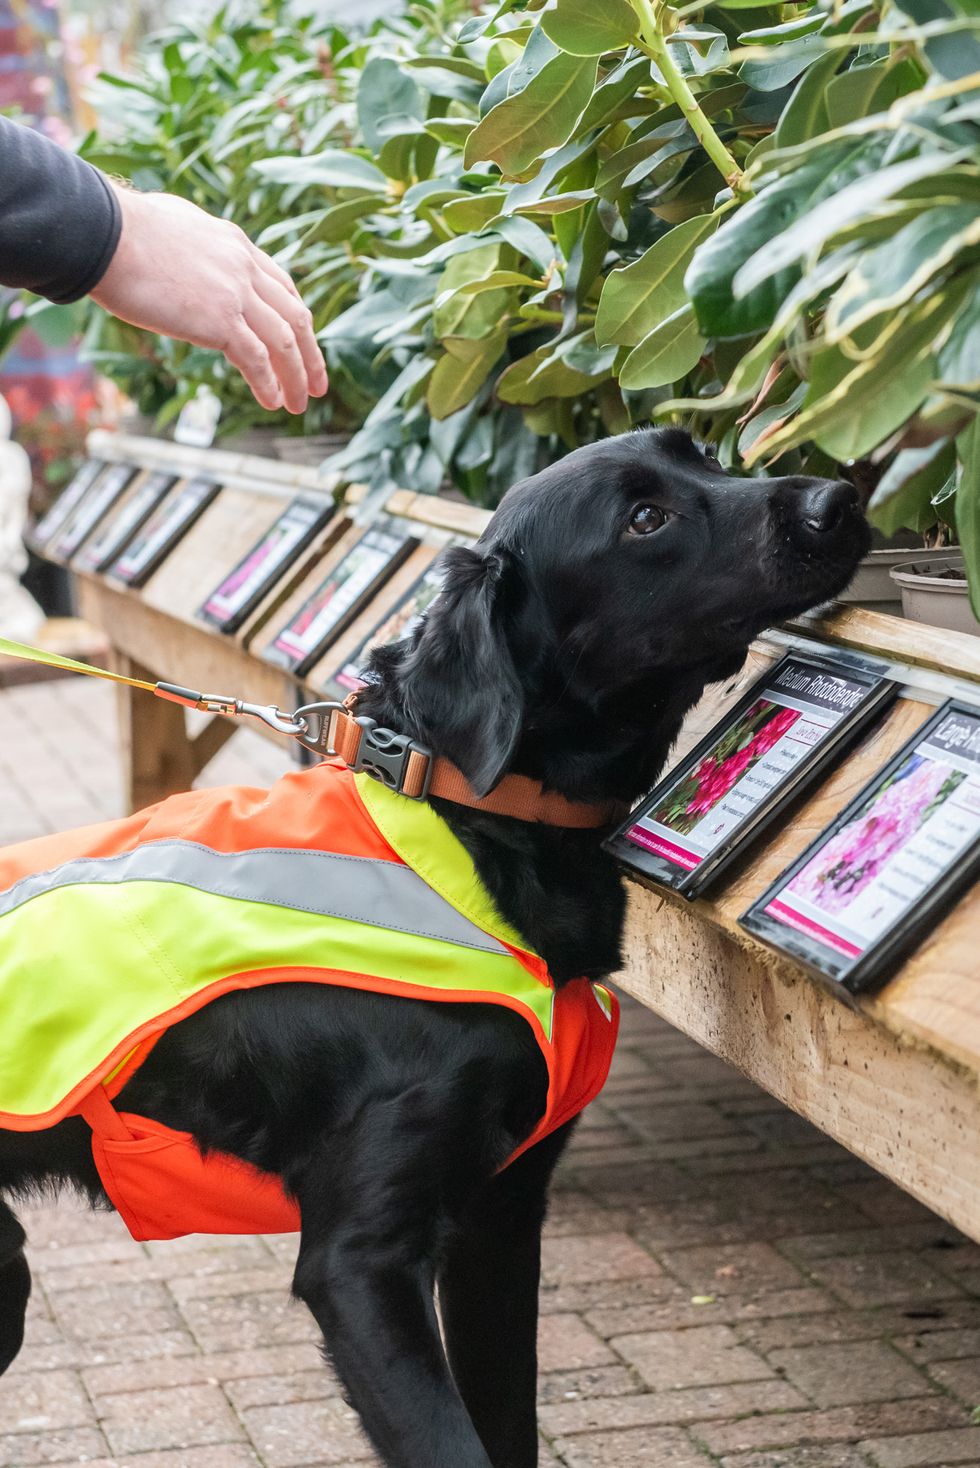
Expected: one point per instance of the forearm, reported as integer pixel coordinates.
(59, 219)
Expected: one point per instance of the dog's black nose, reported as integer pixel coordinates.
(824, 505)
(814, 508)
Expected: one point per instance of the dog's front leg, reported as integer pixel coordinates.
(488, 1297)
(375, 1208)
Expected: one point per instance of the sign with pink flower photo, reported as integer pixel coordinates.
(776, 739)
(890, 864)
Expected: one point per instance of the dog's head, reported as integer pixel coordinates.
(627, 566)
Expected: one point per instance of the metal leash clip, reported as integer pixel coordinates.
(294, 726)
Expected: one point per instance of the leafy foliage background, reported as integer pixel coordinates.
(521, 227)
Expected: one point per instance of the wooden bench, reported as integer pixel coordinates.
(894, 1079)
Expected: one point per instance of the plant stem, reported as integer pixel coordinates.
(654, 43)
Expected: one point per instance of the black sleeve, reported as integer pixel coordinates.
(59, 219)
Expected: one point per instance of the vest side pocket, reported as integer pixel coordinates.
(163, 1188)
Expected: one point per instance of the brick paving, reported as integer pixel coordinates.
(722, 1284)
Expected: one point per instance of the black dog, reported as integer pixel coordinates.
(567, 646)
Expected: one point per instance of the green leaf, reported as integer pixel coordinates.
(784, 63)
(709, 277)
(968, 508)
(958, 359)
(467, 216)
(459, 65)
(542, 375)
(587, 28)
(855, 404)
(385, 90)
(333, 168)
(887, 276)
(619, 87)
(669, 353)
(528, 238)
(558, 203)
(905, 494)
(457, 315)
(498, 278)
(639, 297)
(452, 130)
(637, 160)
(461, 372)
(516, 132)
(335, 222)
(849, 95)
(809, 232)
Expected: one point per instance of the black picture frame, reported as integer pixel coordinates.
(166, 526)
(238, 594)
(92, 509)
(850, 974)
(341, 594)
(804, 680)
(396, 623)
(65, 505)
(119, 528)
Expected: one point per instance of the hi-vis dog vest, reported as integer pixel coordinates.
(111, 934)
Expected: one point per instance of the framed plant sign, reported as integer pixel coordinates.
(256, 573)
(67, 502)
(139, 502)
(343, 591)
(91, 508)
(894, 862)
(167, 525)
(778, 740)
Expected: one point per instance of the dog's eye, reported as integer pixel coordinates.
(645, 519)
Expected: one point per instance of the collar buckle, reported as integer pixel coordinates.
(394, 760)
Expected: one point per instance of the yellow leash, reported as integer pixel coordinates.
(55, 660)
(310, 725)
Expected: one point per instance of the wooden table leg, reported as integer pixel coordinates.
(157, 753)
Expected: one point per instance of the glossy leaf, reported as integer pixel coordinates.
(968, 507)
(958, 358)
(333, 168)
(587, 28)
(461, 372)
(667, 354)
(829, 215)
(637, 298)
(542, 375)
(385, 89)
(887, 276)
(906, 492)
(518, 130)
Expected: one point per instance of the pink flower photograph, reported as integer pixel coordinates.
(742, 746)
(861, 850)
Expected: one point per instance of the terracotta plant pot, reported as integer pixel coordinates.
(934, 590)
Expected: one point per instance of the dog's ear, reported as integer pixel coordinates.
(459, 683)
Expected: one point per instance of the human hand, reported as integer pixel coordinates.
(183, 273)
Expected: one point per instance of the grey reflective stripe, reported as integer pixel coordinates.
(358, 888)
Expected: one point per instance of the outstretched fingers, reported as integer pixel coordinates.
(278, 291)
(246, 350)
